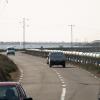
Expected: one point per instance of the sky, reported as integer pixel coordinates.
(49, 20)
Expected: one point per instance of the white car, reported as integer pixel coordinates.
(10, 50)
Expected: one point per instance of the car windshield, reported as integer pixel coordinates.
(8, 93)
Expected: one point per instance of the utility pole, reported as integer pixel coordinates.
(7, 1)
(24, 29)
(71, 26)
(24, 25)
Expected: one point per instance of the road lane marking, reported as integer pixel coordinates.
(63, 84)
(59, 75)
(61, 80)
(63, 94)
(21, 76)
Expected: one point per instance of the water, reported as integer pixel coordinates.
(33, 45)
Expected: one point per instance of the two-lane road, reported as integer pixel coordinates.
(44, 83)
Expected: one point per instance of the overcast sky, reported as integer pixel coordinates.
(48, 20)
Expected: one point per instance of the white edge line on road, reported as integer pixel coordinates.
(63, 94)
(59, 75)
(21, 76)
(63, 82)
(95, 76)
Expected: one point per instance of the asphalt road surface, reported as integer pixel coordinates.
(57, 83)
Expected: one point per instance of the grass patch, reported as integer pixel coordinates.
(7, 66)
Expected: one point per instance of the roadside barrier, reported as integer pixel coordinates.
(71, 56)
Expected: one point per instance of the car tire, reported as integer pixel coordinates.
(63, 65)
(50, 65)
(47, 62)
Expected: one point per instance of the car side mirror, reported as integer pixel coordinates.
(28, 99)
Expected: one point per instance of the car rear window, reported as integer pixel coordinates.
(56, 54)
(10, 49)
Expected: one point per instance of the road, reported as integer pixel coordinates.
(57, 83)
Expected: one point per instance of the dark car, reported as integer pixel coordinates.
(12, 91)
(56, 58)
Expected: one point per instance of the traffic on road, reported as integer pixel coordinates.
(57, 83)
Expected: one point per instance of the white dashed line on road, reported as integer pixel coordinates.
(63, 94)
(63, 84)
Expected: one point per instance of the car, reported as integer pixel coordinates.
(56, 58)
(10, 50)
(12, 91)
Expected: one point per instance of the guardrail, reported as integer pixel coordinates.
(71, 56)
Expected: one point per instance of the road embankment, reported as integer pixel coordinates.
(8, 69)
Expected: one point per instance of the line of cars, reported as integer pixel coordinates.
(53, 58)
(12, 90)
(56, 58)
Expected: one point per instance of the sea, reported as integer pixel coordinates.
(19, 45)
